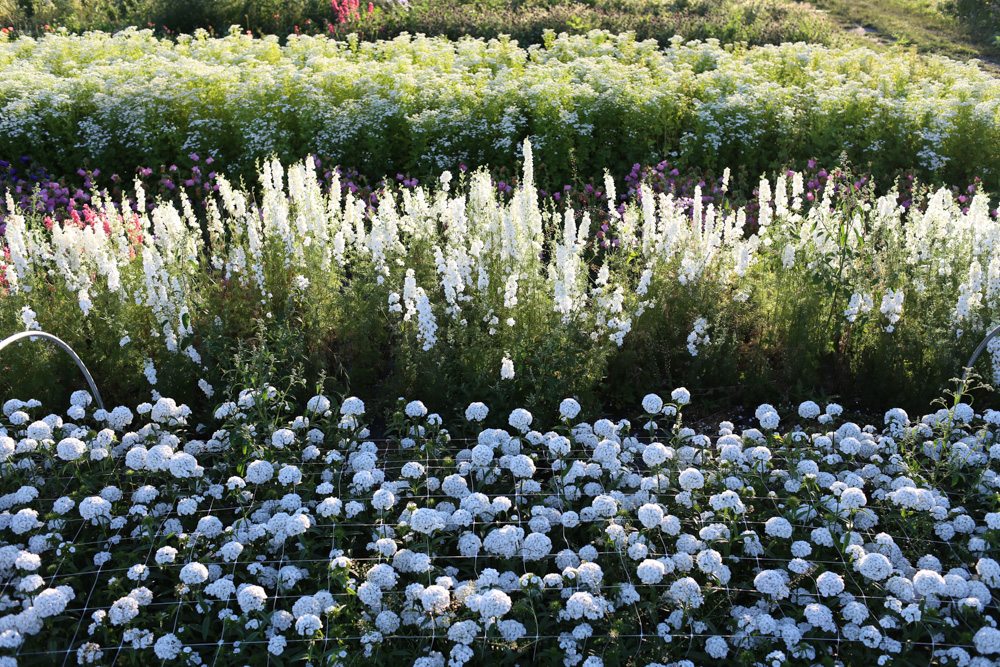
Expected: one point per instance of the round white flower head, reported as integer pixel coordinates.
(896, 417)
(769, 420)
(964, 413)
(852, 498)
(809, 410)
(716, 647)
(282, 438)
(773, 583)
(652, 404)
(651, 572)
(194, 573)
(605, 506)
(80, 399)
(779, 527)
(650, 515)
(989, 572)
(520, 419)
(427, 520)
(583, 605)
(276, 644)
(63, 505)
(39, 431)
(24, 521)
(318, 405)
(308, 624)
(829, 584)
(168, 647)
(251, 598)
(569, 408)
(686, 591)
(70, 449)
(259, 472)
(874, 566)
(435, 599)
(95, 507)
(536, 546)
(352, 407)
(476, 412)
(655, 454)
(123, 610)
(415, 409)
(928, 582)
(383, 499)
(50, 602)
(165, 555)
(521, 466)
(987, 640)
(387, 622)
(680, 396)
(493, 604)
(690, 479)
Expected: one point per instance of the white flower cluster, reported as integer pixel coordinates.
(698, 336)
(832, 543)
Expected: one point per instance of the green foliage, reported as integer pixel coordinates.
(758, 22)
(982, 17)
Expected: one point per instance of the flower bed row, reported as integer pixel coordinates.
(815, 283)
(418, 105)
(274, 533)
(36, 189)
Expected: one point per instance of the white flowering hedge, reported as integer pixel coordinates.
(425, 104)
(462, 294)
(274, 535)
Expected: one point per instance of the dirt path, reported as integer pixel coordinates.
(866, 32)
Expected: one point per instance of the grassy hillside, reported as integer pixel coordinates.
(958, 29)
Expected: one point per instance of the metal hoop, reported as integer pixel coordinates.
(59, 342)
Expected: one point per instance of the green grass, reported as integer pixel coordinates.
(929, 26)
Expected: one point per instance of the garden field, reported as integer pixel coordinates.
(449, 333)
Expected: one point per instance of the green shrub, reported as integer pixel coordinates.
(981, 16)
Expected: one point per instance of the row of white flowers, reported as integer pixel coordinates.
(118, 99)
(438, 261)
(131, 535)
